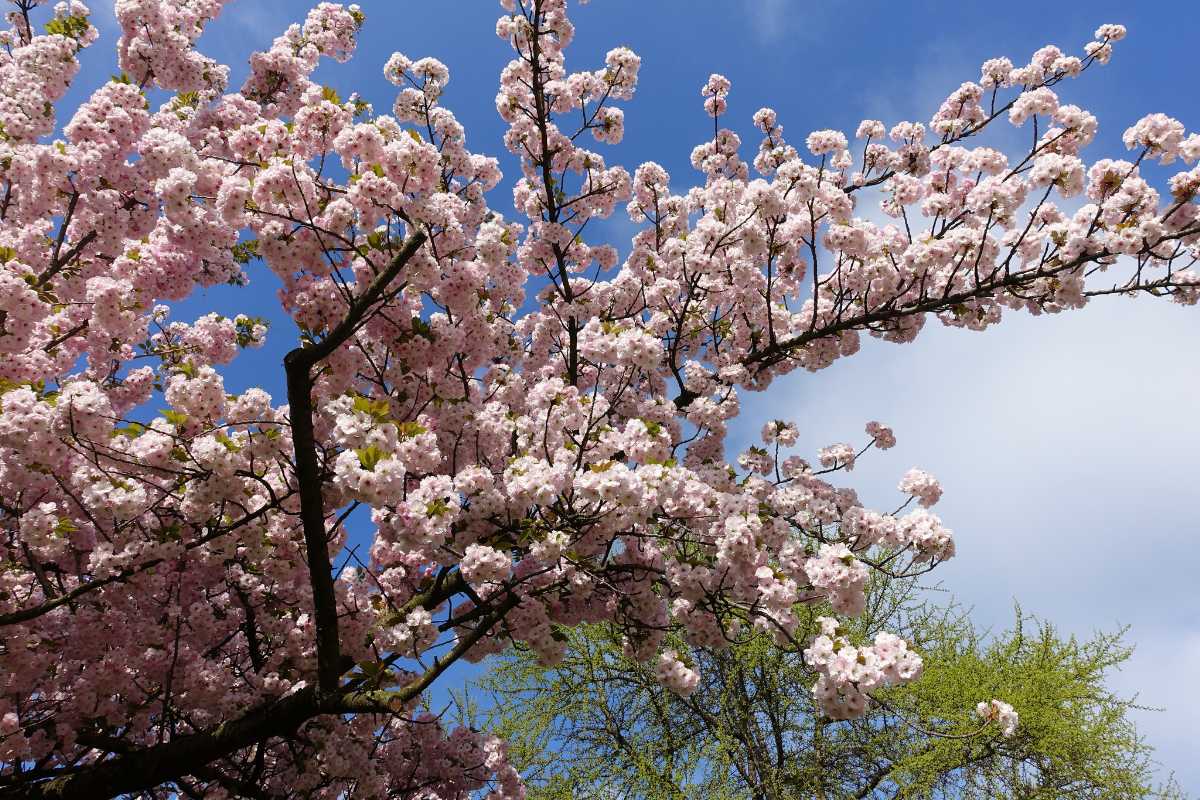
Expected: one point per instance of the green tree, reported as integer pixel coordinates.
(598, 725)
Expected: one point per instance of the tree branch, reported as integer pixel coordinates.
(298, 366)
(145, 769)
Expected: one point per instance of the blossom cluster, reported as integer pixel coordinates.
(999, 712)
(848, 673)
(675, 675)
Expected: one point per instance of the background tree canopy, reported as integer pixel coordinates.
(599, 725)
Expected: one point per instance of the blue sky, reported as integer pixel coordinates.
(1067, 445)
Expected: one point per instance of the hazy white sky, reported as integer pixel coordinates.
(1067, 446)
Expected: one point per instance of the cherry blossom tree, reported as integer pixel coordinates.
(534, 424)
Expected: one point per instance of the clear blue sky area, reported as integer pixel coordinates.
(1067, 445)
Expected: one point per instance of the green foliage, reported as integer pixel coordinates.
(72, 27)
(228, 442)
(598, 725)
(377, 239)
(131, 431)
(246, 326)
(245, 251)
(369, 457)
(408, 430)
(422, 328)
(176, 418)
(378, 410)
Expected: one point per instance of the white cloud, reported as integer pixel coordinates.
(1161, 673)
(790, 21)
(769, 19)
(1067, 447)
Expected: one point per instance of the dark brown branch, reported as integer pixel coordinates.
(138, 770)
(57, 261)
(783, 348)
(359, 308)
(378, 701)
(298, 366)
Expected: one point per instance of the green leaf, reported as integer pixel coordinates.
(369, 457)
(132, 431)
(378, 410)
(176, 418)
(246, 326)
(229, 443)
(421, 328)
(244, 252)
(410, 429)
(72, 27)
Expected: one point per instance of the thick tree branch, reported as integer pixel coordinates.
(298, 366)
(145, 769)
(191, 754)
(430, 599)
(378, 701)
(359, 308)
